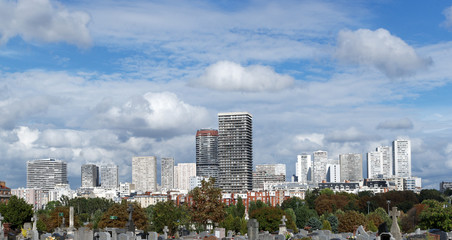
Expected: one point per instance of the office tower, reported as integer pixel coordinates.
(402, 158)
(333, 172)
(109, 178)
(235, 151)
(320, 161)
(90, 176)
(351, 166)
(272, 169)
(374, 165)
(303, 168)
(167, 173)
(46, 173)
(207, 153)
(144, 173)
(387, 161)
(182, 174)
(261, 177)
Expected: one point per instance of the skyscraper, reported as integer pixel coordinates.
(207, 153)
(351, 165)
(387, 160)
(182, 174)
(235, 151)
(402, 157)
(167, 173)
(374, 164)
(320, 161)
(109, 176)
(333, 172)
(46, 173)
(144, 173)
(90, 176)
(303, 168)
(272, 169)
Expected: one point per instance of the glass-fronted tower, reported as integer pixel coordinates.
(207, 153)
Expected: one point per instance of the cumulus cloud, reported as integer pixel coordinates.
(396, 124)
(230, 76)
(14, 110)
(349, 135)
(448, 14)
(43, 20)
(379, 49)
(162, 113)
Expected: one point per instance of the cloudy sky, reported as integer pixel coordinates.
(103, 81)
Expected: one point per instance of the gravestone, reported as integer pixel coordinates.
(83, 233)
(230, 234)
(253, 229)
(395, 229)
(239, 238)
(103, 235)
(2, 233)
(153, 236)
(123, 236)
(45, 236)
(165, 232)
(203, 234)
(265, 236)
(361, 234)
(280, 237)
(282, 227)
(34, 230)
(220, 232)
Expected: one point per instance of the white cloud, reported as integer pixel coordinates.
(448, 14)
(351, 134)
(379, 49)
(43, 20)
(396, 124)
(230, 76)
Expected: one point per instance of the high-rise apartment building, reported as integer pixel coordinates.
(272, 169)
(351, 165)
(374, 165)
(303, 168)
(333, 172)
(46, 173)
(387, 161)
(109, 177)
(144, 173)
(167, 173)
(182, 174)
(402, 158)
(235, 151)
(207, 153)
(90, 176)
(320, 161)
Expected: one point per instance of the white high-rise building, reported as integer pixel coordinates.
(46, 173)
(90, 176)
(109, 177)
(303, 168)
(387, 161)
(333, 172)
(320, 161)
(351, 166)
(144, 173)
(374, 165)
(167, 173)
(182, 174)
(402, 158)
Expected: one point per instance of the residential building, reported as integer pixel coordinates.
(320, 160)
(261, 177)
(235, 151)
(443, 186)
(5, 193)
(46, 173)
(90, 176)
(272, 169)
(387, 169)
(402, 158)
(182, 174)
(303, 168)
(195, 181)
(167, 173)
(33, 196)
(109, 177)
(351, 167)
(333, 173)
(207, 164)
(144, 173)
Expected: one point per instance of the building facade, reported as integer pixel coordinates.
(320, 161)
(235, 151)
(46, 173)
(351, 166)
(272, 169)
(167, 173)
(303, 168)
(109, 176)
(144, 173)
(182, 174)
(5, 193)
(402, 158)
(90, 176)
(207, 164)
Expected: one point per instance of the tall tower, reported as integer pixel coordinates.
(303, 168)
(351, 166)
(320, 162)
(207, 153)
(182, 174)
(235, 151)
(109, 176)
(386, 155)
(90, 176)
(144, 173)
(167, 173)
(402, 158)
(374, 164)
(46, 173)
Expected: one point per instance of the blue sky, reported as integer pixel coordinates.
(103, 81)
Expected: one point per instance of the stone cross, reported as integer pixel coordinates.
(395, 229)
(130, 226)
(165, 231)
(284, 220)
(71, 217)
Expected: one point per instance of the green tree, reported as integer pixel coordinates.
(117, 216)
(435, 215)
(16, 212)
(303, 214)
(55, 219)
(350, 221)
(326, 225)
(255, 206)
(310, 197)
(269, 219)
(334, 222)
(431, 194)
(293, 202)
(240, 208)
(207, 205)
(314, 223)
(170, 215)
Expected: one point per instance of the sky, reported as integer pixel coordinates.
(103, 81)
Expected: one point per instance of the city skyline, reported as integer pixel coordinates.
(107, 81)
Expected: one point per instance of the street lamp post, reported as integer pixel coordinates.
(388, 202)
